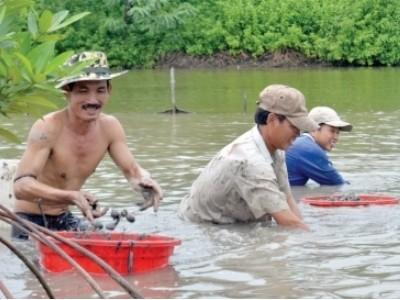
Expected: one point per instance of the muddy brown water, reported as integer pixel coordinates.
(350, 252)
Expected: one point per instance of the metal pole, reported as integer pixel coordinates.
(172, 81)
(244, 102)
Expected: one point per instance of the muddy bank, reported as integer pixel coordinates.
(283, 58)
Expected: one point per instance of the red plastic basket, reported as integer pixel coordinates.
(126, 253)
(364, 199)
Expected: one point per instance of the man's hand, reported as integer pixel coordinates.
(96, 209)
(151, 192)
(84, 201)
(288, 219)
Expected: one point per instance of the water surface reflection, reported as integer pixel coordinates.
(349, 252)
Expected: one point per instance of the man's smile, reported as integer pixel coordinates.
(90, 106)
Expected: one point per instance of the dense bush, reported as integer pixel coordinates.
(135, 33)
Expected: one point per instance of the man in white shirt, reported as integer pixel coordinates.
(247, 180)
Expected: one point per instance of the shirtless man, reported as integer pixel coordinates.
(65, 147)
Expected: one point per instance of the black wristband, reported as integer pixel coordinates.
(24, 175)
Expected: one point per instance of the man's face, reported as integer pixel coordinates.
(86, 98)
(284, 133)
(326, 136)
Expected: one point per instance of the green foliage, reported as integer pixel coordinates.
(133, 33)
(29, 64)
(363, 32)
(136, 33)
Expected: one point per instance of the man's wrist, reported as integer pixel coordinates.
(70, 197)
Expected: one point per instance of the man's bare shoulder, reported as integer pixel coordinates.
(47, 127)
(109, 121)
(111, 126)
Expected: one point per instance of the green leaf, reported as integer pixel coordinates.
(32, 24)
(39, 77)
(9, 136)
(69, 21)
(17, 6)
(27, 77)
(24, 41)
(45, 21)
(2, 14)
(25, 63)
(7, 44)
(36, 100)
(40, 55)
(48, 88)
(50, 37)
(58, 18)
(58, 61)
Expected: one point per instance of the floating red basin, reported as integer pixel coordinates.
(360, 199)
(126, 253)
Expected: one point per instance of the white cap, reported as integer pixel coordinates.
(326, 115)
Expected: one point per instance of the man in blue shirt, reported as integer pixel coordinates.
(307, 158)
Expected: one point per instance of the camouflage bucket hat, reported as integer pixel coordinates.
(98, 70)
